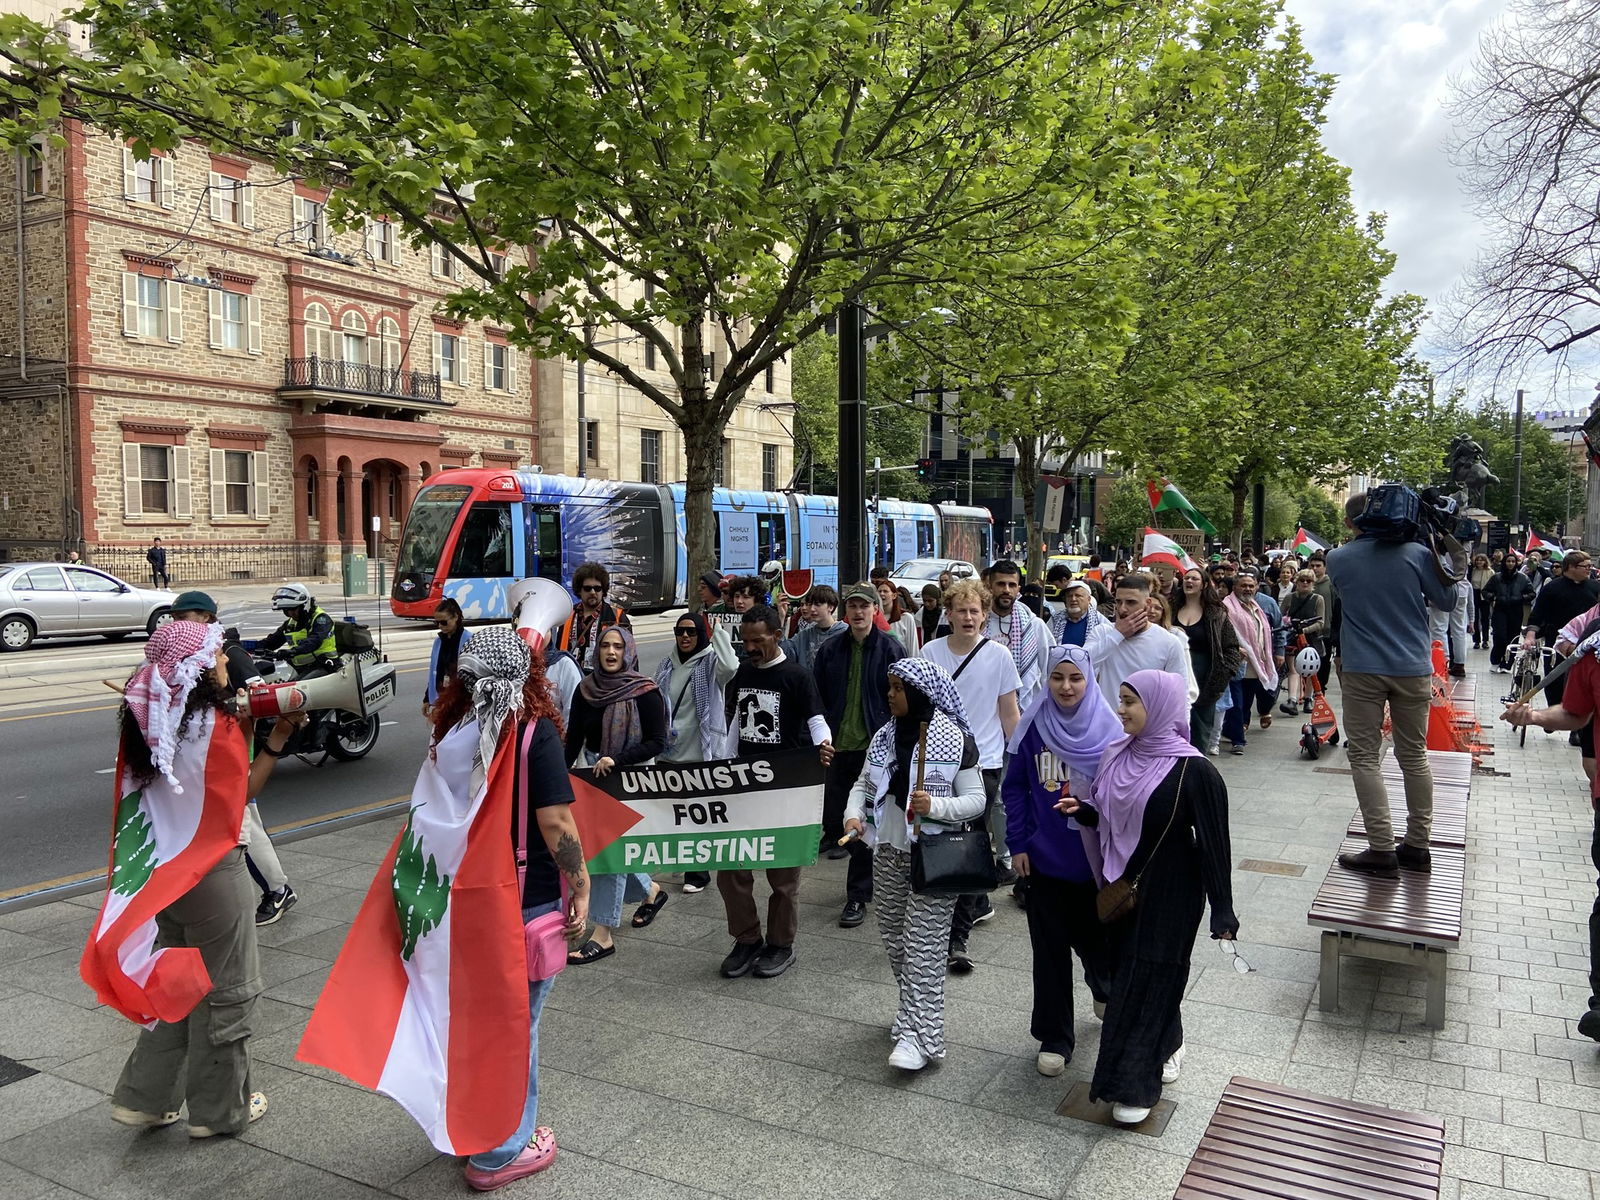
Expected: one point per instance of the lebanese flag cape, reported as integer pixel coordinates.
(428, 999)
(1164, 497)
(162, 843)
(1306, 543)
(1159, 548)
(1537, 541)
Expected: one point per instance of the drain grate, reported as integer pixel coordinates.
(1079, 1107)
(11, 1071)
(1266, 866)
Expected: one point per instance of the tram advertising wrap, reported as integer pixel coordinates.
(472, 532)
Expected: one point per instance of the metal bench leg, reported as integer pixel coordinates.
(1435, 961)
(1329, 1001)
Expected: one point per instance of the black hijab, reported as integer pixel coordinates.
(702, 635)
(907, 732)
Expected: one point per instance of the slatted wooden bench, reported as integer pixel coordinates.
(1452, 789)
(1414, 919)
(1267, 1142)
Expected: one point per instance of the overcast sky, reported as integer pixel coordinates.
(1394, 62)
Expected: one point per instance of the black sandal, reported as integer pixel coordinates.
(647, 911)
(590, 951)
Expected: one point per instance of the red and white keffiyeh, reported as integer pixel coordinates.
(175, 657)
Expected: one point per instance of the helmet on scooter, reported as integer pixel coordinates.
(1308, 662)
(291, 596)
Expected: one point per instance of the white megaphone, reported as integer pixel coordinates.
(537, 607)
(342, 690)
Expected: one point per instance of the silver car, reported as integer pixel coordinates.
(42, 600)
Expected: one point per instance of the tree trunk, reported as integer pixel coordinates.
(1239, 486)
(1028, 482)
(702, 443)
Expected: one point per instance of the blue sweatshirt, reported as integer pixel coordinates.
(1051, 841)
(1384, 592)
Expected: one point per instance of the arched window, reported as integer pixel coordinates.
(353, 341)
(389, 343)
(319, 332)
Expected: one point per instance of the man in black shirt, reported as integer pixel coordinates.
(771, 704)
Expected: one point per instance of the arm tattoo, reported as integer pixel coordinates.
(569, 856)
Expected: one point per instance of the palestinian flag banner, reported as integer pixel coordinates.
(1164, 497)
(1537, 541)
(1306, 543)
(1159, 548)
(428, 999)
(728, 814)
(163, 841)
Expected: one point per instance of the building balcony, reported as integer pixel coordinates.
(333, 383)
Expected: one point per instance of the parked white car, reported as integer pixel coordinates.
(915, 573)
(45, 600)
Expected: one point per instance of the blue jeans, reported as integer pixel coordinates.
(493, 1160)
(1246, 692)
(608, 893)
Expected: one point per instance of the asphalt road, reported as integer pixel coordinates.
(57, 758)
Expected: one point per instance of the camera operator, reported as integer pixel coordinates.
(1385, 587)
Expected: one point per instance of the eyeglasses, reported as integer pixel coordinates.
(591, 587)
(1230, 951)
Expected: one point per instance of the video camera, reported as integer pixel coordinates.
(1397, 513)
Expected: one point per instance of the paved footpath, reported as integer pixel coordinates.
(664, 1081)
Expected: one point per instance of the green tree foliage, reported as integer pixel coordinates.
(753, 165)
(421, 894)
(133, 847)
(1127, 513)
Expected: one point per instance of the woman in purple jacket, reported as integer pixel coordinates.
(1055, 751)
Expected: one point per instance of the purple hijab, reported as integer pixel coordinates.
(1078, 736)
(1133, 767)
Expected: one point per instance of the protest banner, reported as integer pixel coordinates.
(727, 814)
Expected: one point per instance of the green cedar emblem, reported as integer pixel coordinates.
(133, 855)
(421, 894)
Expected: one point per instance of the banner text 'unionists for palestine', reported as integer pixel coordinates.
(728, 814)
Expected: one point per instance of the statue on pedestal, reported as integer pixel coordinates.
(1468, 465)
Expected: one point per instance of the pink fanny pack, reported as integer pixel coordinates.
(544, 937)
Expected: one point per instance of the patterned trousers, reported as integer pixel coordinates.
(916, 933)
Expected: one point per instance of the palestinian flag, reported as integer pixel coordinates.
(1537, 541)
(163, 842)
(1306, 543)
(1159, 548)
(1164, 497)
(428, 999)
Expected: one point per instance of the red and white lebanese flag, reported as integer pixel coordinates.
(428, 999)
(162, 842)
(1159, 548)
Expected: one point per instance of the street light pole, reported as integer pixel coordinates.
(852, 442)
(1516, 487)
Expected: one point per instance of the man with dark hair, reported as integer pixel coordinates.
(156, 556)
(745, 592)
(591, 615)
(852, 674)
(1018, 629)
(771, 703)
(1131, 643)
(1323, 586)
(711, 592)
(878, 574)
(1385, 661)
(819, 609)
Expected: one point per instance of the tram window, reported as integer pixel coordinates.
(546, 548)
(925, 539)
(771, 536)
(483, 548)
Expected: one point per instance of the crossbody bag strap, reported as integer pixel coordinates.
(524, 810)
(1172, 816)
(971, 654)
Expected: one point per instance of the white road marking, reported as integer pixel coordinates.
(106, 771)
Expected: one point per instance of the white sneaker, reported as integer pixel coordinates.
(258, 1109)
(1173, 1067)
(1215, 749)
(1050, 1064)
(1127, 1114)
(907, 1056)
(1100, 1009)
(690, 889)
(141, 1120)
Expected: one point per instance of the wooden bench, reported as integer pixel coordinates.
(1267, 1142)
(1413, 919)
(1452, 789)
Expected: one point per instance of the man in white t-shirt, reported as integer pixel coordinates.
(1014, 626)
(986, 676)
(1132, 644)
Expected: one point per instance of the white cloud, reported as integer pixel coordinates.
(1387, 122)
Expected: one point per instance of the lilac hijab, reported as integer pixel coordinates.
(1078, 736)
(1133, 767)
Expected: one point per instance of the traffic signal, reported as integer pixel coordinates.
(924, 468)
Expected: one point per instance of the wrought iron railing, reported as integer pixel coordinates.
(366, 379)
(190, 563)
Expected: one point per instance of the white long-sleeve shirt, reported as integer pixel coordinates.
(1116, 657)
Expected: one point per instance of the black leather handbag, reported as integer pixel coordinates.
(957, 862)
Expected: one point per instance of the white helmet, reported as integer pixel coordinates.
(1308, 662)
(772, 568)
(292, 596)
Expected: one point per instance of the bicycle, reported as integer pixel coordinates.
(1531, 661)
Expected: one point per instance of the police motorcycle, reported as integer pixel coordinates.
(344, 692)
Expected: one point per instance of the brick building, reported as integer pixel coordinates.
(192, 353)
